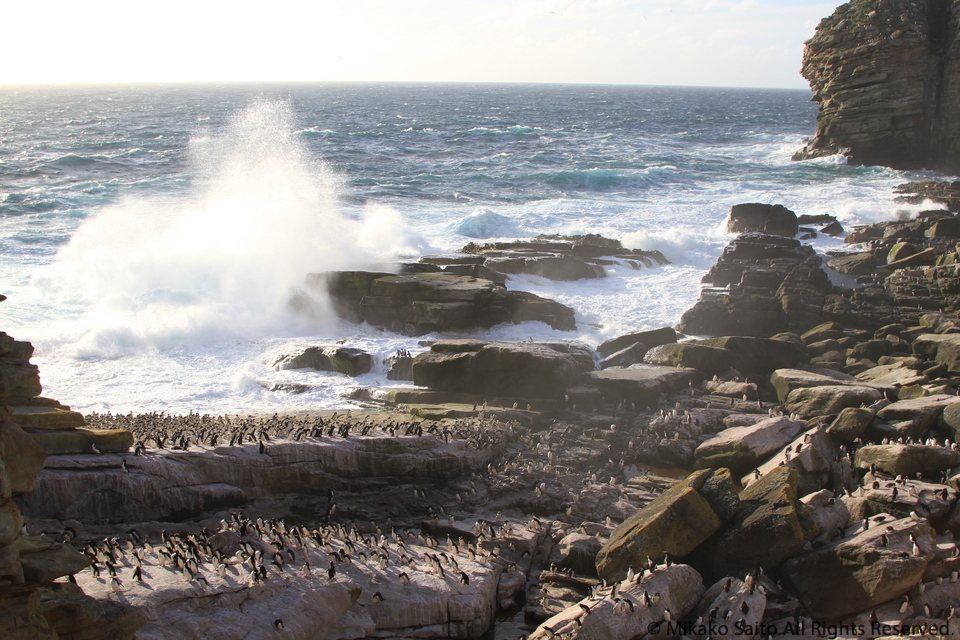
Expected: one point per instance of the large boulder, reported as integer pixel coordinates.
(857, 573)
(419, 303)
(641, 384)
(511, 369)
(774, 219)
(811, 402)
(770, 526)
(850, 424)
(812, 455)
(786, 380)
(923, 411)
(760, 355)
(710, 360)
(907, 459)
(651, 338)
(739, 448)
(348, 360)
(676, 522)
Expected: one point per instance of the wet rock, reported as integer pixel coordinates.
(348, 360)
(858, 573)
(517, 369)
(578, 551)
(764, 218)
(676, 522)
(625, 357)
(739, 448)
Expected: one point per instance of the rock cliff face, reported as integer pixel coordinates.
(886, 74)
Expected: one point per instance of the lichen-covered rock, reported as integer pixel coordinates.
(881, 74)
(850, 424)
(676, 522)
(770, 526)
(857, 573)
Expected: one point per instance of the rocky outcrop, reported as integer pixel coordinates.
(52, 425)
(774, 219)
(515, 369)
(761, 285)
(884, 77)
(30, 606)
(419, 303)
(166, 484)
(562, 258)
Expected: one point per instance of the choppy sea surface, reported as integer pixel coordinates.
(151, 236)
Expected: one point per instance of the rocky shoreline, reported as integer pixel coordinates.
(789, 464)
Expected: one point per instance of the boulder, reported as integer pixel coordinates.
(625, 357)
(652, 338)
(728, 594)
(774, 219)
(860, 572)
(770, 526)
(349, 360)
(948, 353)
(907, 459)
(850, 424)
(856, 264)
(829, 513)
(420, 303)
(787, 380)
(45, 417)
(676, 522)
(640, 384)
(679, 587)
(400, 367)
(924, 411)
(895, 374)
(744, 390)
(926, 345)
(949, 421)
(739, 448)
(930, 501)
(72, 441)
(562, 268)
(511, 369)
(710, 360)
(811, 402)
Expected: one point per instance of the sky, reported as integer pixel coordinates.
(738, 43)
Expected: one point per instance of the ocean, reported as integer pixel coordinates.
(151, 236)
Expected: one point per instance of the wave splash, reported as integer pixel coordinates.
(221, 263)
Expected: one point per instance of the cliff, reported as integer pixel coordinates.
(886, 74)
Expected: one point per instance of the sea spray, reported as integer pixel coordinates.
(221, 263)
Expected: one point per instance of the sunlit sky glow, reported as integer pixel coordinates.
(744, 43)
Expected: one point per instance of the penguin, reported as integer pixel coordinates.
(278, 624)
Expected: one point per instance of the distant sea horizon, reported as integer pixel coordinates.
(151, 235)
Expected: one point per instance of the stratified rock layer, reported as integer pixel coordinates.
(885, 76)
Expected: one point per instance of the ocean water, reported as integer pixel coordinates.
(151, 236)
